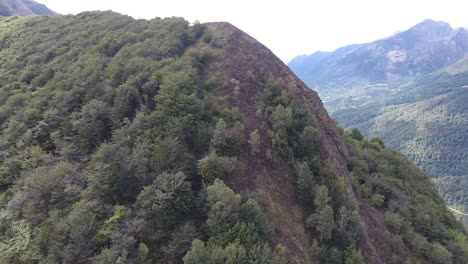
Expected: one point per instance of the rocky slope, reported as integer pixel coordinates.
(243, 54)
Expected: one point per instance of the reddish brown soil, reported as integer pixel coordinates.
(272, 180)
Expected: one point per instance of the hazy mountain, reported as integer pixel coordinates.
(413, 95)
(23, 8)
(161, 141)
(422, 49)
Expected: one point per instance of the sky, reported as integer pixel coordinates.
(292, 27)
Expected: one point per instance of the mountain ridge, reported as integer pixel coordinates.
(23, 8)
(422, 49)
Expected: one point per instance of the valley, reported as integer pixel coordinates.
(420, 111)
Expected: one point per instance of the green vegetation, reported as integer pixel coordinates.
(322, 219)
(295, 137)
(425, 119)
(409, 89)
(412, 209)
(118, 145)
(106, 129)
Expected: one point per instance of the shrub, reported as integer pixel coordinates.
(214, 167)
(323, 222)
(356, 134)
(305, 184)
(393, 222)
(254, 142)
(224, 206)
(377, 200)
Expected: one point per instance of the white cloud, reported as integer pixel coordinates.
(290, 27)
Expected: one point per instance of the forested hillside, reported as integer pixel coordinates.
(161, 141)
(426, 119)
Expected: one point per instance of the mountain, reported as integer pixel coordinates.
(161, 141)
(23, 8)
(425, 48)
(416, 104)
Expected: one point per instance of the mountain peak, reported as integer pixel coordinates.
(23, 8)
(424, 48)
(432, 23)
(432, 27)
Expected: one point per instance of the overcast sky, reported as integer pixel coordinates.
(291, 27)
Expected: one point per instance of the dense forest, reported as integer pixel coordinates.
(154, 141)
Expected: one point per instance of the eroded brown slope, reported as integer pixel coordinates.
(272, 179)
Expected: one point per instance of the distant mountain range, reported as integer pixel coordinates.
(23, 8)
(422, 49)
(410, 89)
